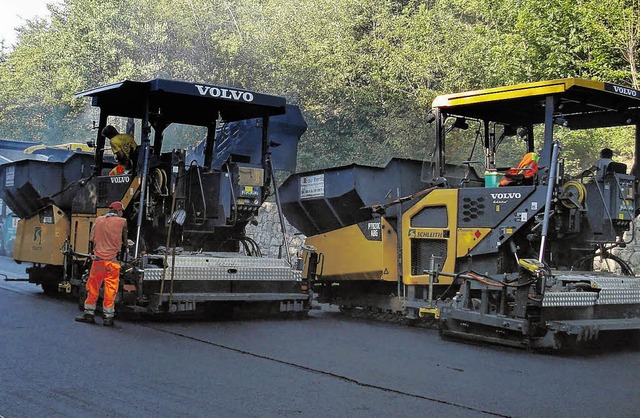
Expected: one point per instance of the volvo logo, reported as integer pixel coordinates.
(626, 91)
(120, 179)
(622, 90)
(223, 93)
(506, 196)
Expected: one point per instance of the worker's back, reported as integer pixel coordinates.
(108, 236)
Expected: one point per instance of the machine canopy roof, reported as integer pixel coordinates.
(581, 103)
(182, 102)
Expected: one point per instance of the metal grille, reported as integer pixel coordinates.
(472, 209)
(618, 296)
(552, 299)
(421, 252)
(617, 290)
(213, 273)
(615, 282)
(215, 260)
(214, 267)
(612, 290)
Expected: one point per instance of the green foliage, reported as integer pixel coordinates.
(364, 72)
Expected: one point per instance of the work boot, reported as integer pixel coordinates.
(86, 318)
(107, 322)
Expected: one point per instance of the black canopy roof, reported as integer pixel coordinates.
(172, 101)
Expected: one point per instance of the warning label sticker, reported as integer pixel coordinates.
(312, 186)
(9, 176)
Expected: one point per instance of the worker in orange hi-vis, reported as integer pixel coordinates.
(524, 173)
(108, 236)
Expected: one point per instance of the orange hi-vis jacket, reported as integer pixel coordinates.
(118, 170)
(107, 234)
(527, 168)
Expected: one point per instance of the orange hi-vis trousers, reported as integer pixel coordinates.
(102, 271)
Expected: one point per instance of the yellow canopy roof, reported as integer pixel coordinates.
(583, 103)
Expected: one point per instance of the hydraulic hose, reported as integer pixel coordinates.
(283, 227)
(547, 204)
(169, 239)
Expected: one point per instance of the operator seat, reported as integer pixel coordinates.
(524, 173)
(615, 167)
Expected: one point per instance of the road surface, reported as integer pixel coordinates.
(324, 366)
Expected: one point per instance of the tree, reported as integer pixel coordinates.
(364, 73)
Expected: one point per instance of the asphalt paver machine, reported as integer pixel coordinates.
(494, 250)
(187, 209)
